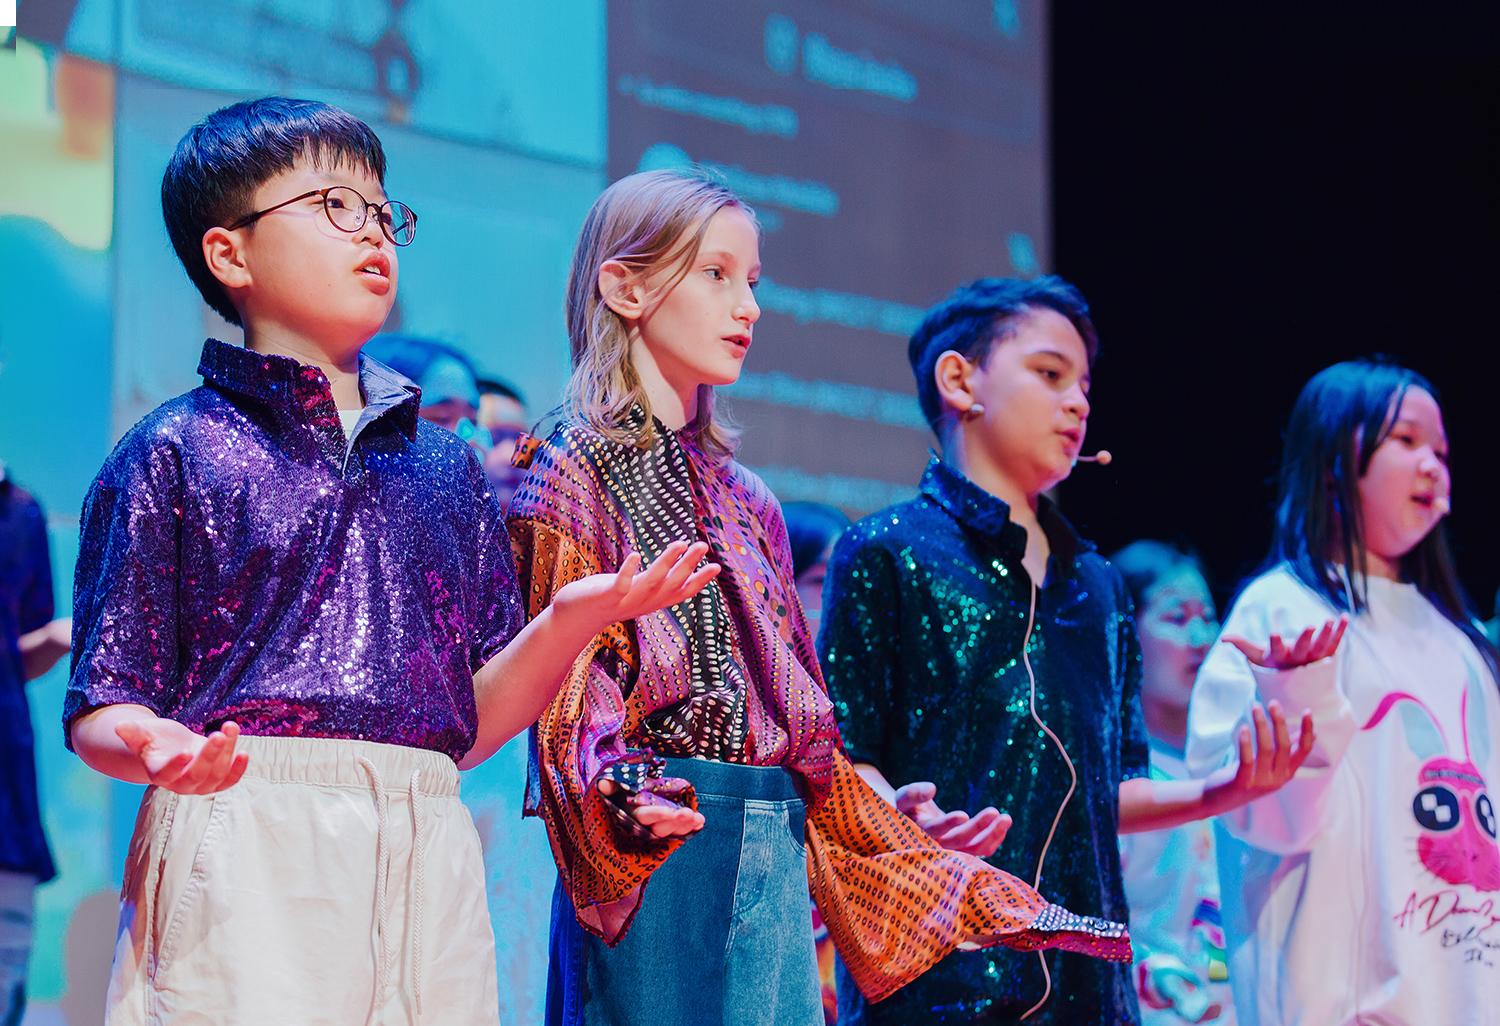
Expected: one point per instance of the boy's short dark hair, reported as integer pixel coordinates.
(223, 159)
(504, 389)
(980, 313)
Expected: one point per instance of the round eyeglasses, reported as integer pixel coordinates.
(347, 211)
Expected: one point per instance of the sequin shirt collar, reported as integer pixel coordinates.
(988, 514)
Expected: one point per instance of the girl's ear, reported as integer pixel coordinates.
(951, 374)
(622, 289)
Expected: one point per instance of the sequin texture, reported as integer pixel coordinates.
(894, 902)
(924, 616)
(242, 559)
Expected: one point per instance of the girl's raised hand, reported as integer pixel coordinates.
(1311, 645)
(602, 599)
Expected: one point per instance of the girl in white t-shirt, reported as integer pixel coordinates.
(1368, 889)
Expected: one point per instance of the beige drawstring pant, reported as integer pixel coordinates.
(339, 883)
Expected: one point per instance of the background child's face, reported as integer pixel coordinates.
(308, 278)
(1177, 626)
(1033, 386)
(699, 332)
(1407, 472)
(810, 589)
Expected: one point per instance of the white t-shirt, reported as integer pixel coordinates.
(1368, 889)
(350, 419)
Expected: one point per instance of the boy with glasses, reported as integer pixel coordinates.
(296, 618)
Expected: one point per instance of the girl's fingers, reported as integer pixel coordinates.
(699, 580)
(665, 822)
(1247, 756)
(1279, 764)
(685, 565)
(1254, 653)
(1278, 651)
(1302, 646)
(1263, 737)
(1305, 741)
(626, 574)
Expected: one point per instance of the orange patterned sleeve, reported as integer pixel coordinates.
(895, 902)
(578, 739)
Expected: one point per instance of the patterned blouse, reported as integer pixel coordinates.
(730, 675)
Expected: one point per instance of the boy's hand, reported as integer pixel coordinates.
(1266, 763)
(980, 835)
(662, 820)
(179, 760)
(602, 599)
(1313, 644)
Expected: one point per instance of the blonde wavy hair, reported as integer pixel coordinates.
(650, 221)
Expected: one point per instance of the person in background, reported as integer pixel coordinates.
(31, 641)
(1171, 877)
(811, 529)
(502, 416)
(449, 383)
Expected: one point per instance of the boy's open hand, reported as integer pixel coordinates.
(177, 759)
(1311, 645)
(602, 599)
(979, 835)
(1268, 758)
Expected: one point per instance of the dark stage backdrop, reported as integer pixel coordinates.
(1247, 198)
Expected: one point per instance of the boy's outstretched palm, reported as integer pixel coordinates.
(1268, 756)
(177, 759)
(980, 834)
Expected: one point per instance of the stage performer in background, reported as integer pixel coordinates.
(1367, 889)
(1172, 876)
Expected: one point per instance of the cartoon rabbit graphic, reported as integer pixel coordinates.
(1452, 804)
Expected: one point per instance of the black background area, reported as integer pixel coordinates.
(1246, 198)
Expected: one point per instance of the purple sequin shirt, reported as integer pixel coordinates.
(241, 560)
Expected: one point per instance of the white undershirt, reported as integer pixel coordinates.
(349, 418)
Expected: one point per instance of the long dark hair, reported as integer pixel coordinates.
(1341, 417)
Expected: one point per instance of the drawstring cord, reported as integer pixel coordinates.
(419, 880)
(382, 889)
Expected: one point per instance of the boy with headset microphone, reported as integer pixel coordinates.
(974, 643)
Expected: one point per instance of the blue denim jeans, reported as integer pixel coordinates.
(723, 934)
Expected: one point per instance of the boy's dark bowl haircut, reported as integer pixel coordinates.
(221, 161)
(979, 313)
